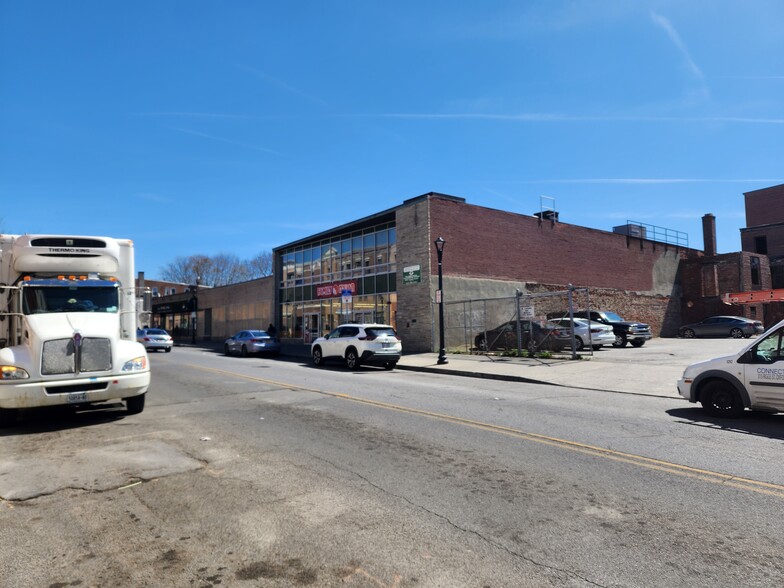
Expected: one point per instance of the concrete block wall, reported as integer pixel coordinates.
(247, 305)
(414, 244)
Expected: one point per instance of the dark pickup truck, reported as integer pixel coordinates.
(625, 331)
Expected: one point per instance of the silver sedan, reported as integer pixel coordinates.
(252, 342)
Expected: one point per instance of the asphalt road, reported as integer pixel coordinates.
(257, 472)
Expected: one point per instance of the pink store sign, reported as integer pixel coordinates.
(335, 289)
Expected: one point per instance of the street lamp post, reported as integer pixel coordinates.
(440, 299)
(195, 311)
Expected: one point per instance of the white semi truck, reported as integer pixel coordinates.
(68, 324)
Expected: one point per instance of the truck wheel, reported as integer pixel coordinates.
(7, 417)
(620, 340)
(135, 404)
(721, 399)
(638, 343)
(352, 359)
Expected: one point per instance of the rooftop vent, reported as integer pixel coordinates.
(550, 215)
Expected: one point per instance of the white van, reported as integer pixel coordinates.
(753, 378)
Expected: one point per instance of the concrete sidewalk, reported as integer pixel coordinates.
(652, 370)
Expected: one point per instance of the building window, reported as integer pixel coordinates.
(755, 271)
(155, 292)
(761, 245)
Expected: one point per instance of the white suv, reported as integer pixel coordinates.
(358, 344)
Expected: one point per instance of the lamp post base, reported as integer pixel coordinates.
(442, 360)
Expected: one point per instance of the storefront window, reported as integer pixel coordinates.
(362, 263)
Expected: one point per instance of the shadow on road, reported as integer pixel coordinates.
(760, 424)
(61, 418)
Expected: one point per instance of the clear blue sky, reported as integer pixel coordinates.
(236, 126)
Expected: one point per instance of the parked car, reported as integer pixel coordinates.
(722, 326)
(625, 331)
(546, 336)
(751, 378)
(357, 344)
(588, 333)
(252, 342)
(154, 339)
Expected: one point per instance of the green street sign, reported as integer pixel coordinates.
(412, 274)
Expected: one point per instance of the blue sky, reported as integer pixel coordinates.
(237, 126)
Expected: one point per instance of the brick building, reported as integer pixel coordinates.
(384, 268)
(764, 232)
(706, 278)
(358, 271)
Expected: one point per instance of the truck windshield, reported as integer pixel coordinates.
(46, 299)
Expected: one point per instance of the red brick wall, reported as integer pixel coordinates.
(774, 235)
(482, 242)
(765, 206)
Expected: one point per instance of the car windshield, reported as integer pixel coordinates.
(613, 317)
(48, 299)
(156, 332)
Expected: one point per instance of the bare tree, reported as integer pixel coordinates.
(261, 265)
(180, 270)
(229, 269)
(219, 270)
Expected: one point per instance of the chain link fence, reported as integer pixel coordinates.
(531, 322)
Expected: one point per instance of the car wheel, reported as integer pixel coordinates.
(226, 349)
(244, 352)
(318, 359)
(620, 340)
(481, 344)
(736, 333)
(688, 333)
(720, 399)
(390, 365)
(352, 359)
(135, 404)
(578, 344)
(531, 346)
(7, 417)
(168, 350)
(638, 343)
(596, 347)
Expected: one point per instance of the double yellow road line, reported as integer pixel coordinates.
(776, 490)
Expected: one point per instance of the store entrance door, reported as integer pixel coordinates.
(311, 328)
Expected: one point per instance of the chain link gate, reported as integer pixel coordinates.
(531, 322)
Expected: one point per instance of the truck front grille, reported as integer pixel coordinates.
(62, 356)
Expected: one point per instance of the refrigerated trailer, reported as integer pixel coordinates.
(68, 314)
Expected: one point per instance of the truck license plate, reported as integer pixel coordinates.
(76, 397)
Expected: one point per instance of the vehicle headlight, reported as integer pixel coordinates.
(136, 364)
(11, 372)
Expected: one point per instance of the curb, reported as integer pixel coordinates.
(520, 379)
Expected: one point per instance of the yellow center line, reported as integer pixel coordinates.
(767, 488)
